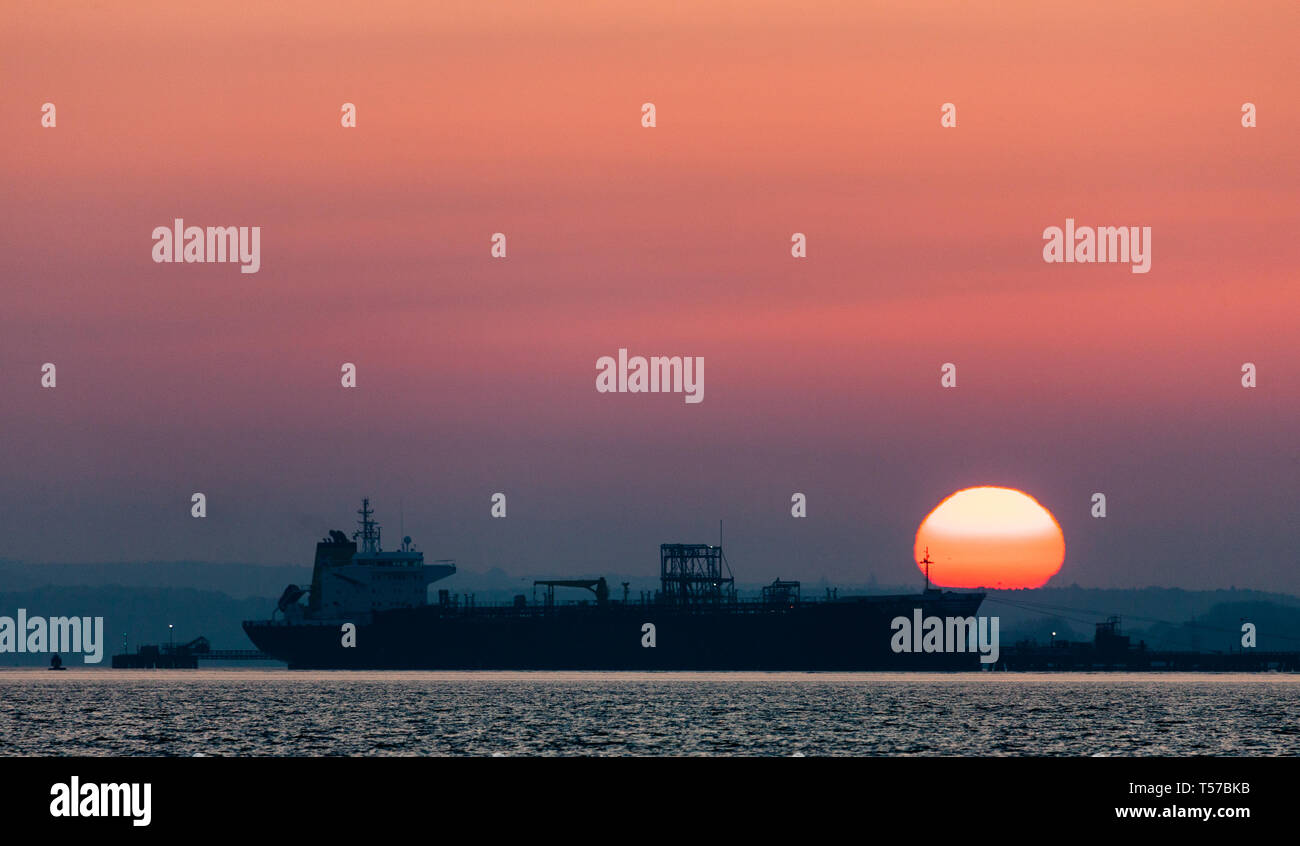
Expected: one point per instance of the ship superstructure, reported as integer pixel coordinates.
(353, 579)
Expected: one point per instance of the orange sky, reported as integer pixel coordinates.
(822, 118)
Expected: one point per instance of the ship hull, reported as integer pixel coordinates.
(853, 634)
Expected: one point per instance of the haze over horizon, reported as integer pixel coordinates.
(477, 375)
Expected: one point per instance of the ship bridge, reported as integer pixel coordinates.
(355, 577)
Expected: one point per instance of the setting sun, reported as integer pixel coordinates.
(991, 537)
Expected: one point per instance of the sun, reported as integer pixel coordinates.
(991, 537)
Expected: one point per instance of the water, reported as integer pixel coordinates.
(277, 712)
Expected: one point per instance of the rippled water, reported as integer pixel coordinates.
(276, 712)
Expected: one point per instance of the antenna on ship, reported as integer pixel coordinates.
(927, 562)
(369, 531)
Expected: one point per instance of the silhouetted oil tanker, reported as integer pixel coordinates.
(368, 609)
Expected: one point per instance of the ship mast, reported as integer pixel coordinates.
(927, 562)
(369, 531)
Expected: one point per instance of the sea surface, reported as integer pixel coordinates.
(277, 712)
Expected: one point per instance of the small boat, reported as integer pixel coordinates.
(56, 663)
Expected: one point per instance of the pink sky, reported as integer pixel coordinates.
(822, 374)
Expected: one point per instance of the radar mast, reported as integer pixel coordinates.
(368, 534)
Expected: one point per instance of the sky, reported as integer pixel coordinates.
(476, 375)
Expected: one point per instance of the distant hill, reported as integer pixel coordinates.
(1166, 618)
(240, 580)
